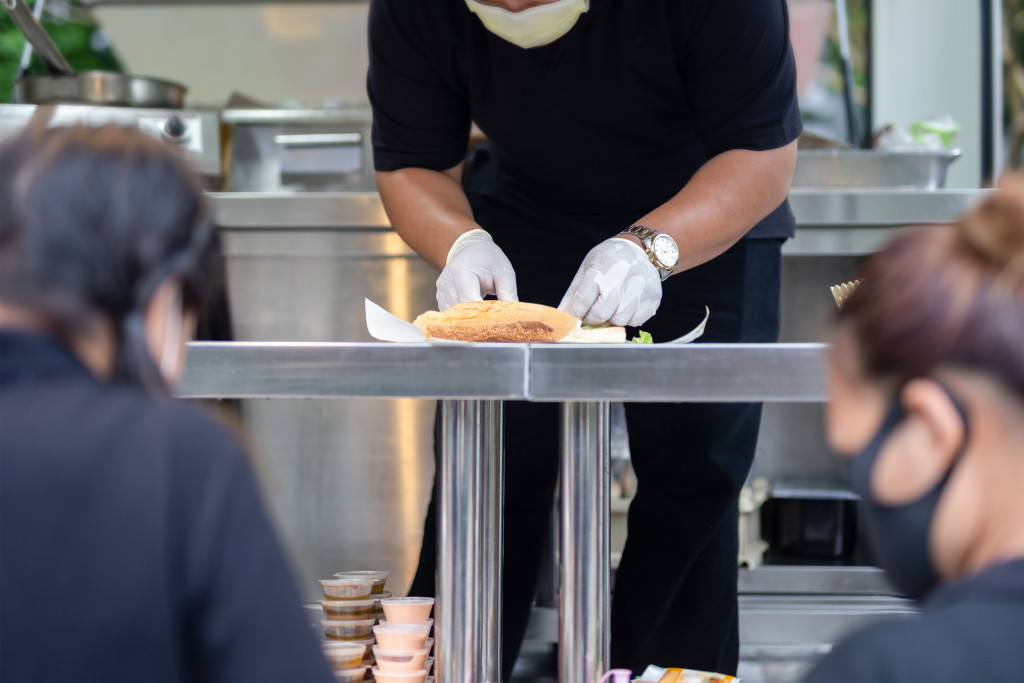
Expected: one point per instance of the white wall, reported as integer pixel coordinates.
(272, 52)
(927, 61)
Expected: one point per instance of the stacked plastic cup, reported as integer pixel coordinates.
(351, 607)
(403, 644)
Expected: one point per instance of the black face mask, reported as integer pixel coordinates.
(899, 533)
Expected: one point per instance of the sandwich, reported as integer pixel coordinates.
(512, 321)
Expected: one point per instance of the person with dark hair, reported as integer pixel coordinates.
(638, 158)
(926, 371)
(133, 541)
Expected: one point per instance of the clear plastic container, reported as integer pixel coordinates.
(356, 629)
(401, 636)
(346, 610)
(341, 654)
(401, 660)
(347, 588)
(353, 675)
(378, 611)
(379, 578)
(407, 610)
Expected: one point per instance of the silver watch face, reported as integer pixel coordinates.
(665, 250)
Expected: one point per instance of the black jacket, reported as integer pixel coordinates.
(971, 629)
(133, 543)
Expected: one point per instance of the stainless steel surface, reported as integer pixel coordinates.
(812, 488)
(856, 222)
(319, 139)
(26, 51)
(868, 168)
(695, 372)
(493, 536)
(468, 633)
(103, 88)
(199, 142)
(374, 370)
(585, 584)
(285, 210)
(339, 112)
(815, 580)
(350, 478)
(781, 620)
(706, 372)
(850, 222)
(37, 36)
(814, 208)
(302, 150)
(859, 208)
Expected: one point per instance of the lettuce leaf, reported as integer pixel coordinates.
(643, 338)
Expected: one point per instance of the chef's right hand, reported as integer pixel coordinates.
(476, 267)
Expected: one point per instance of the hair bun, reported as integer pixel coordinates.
(995, 228)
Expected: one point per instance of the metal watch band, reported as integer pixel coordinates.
(647, 236)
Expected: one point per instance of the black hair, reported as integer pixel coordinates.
(92, 221)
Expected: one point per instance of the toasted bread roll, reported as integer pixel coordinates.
(498, 321)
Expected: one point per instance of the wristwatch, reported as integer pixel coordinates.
(661, 249)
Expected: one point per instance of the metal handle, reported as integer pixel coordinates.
(320, 140)
(26, 22)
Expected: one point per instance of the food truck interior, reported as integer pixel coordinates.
(276, 121)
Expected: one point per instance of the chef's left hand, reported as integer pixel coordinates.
(617, 284)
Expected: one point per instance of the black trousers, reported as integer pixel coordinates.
(674, 601)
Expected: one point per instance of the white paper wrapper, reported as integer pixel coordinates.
(384, 326)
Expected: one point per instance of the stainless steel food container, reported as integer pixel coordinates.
(909, 170)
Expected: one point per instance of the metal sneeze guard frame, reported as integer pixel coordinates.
(472, 380)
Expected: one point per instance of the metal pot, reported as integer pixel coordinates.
(102, 88)
(63, 85)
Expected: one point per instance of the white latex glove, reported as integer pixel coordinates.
(617, 284)
(476, 266)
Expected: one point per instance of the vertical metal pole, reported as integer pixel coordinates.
(492, 541)
(846, 62)
(584, 591)
(468, 627)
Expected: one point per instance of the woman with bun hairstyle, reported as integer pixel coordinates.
(926, 374)
(133, 543)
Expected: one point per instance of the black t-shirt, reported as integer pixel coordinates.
(613, 117)
(133, 543)
(968, 630)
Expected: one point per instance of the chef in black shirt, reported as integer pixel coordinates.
(673, 119)
(133, 542)
(926, 375)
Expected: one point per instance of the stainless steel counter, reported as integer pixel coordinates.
(535, 372)
(473, 379)
(336, 370)
(829, 222)
(812, 207)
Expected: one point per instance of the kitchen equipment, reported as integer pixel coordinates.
(195, 132)
(806, 518)
(902, 170)
(64, 85)
(325, 147)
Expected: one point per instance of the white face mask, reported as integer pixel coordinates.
(532, 27)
